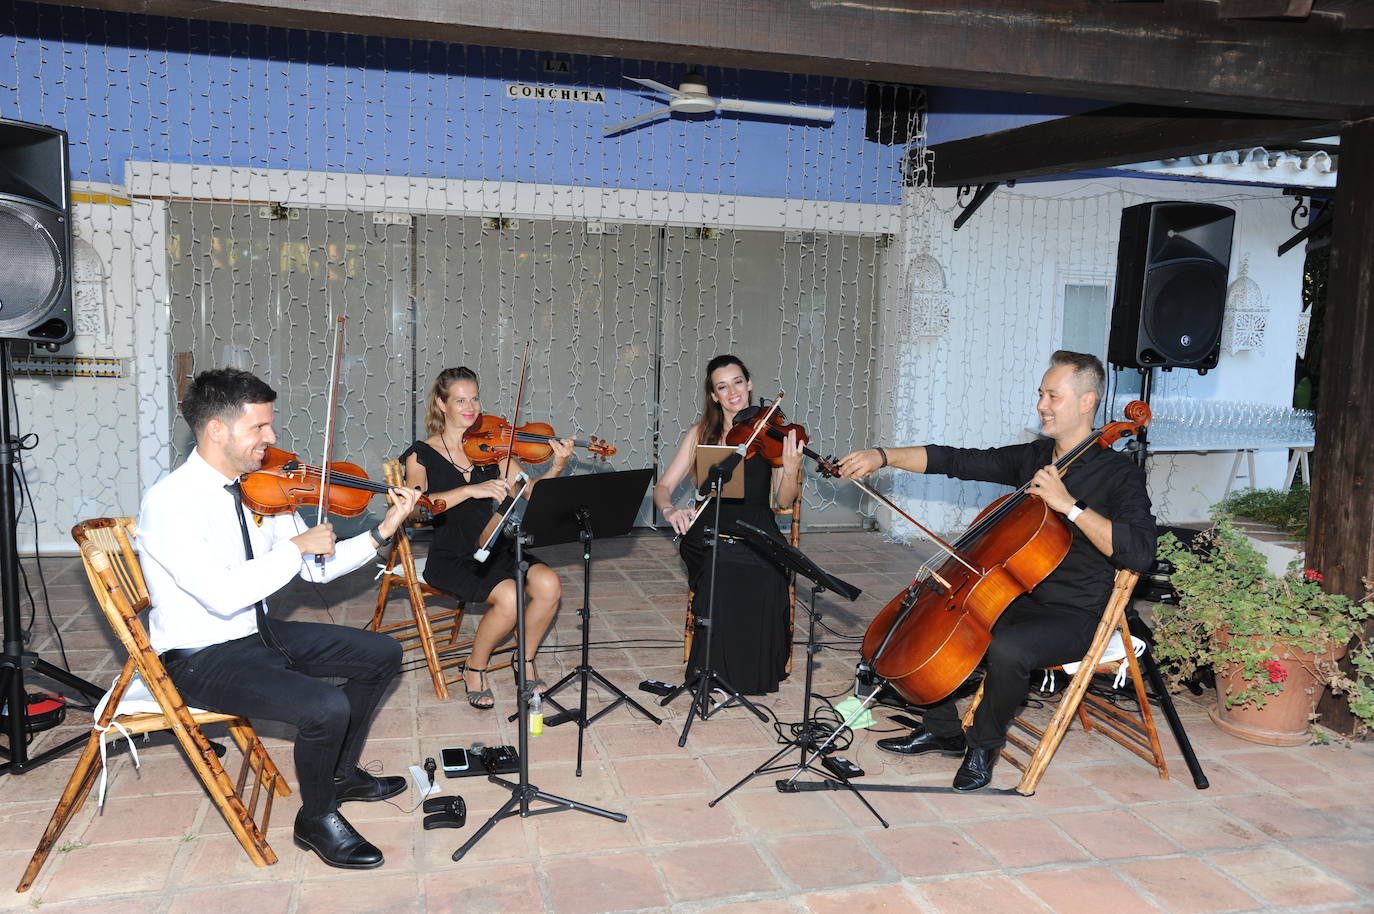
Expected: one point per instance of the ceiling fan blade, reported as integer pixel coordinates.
(798, 111)
(625, 125)
(653, 84)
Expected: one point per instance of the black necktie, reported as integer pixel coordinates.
(260, 607)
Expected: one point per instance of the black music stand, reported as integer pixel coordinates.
(708, 677)
(808, 747)
(568, 505)
(522, 791)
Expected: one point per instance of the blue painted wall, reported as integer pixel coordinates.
(129, 87)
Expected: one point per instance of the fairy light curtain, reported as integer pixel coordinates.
(239, 188)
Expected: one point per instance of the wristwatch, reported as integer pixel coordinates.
(376, 533)
(1078, 508)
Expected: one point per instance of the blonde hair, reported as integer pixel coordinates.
(438, 392)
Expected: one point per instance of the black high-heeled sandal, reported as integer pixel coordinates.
(475, 696)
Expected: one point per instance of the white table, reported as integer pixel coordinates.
(1300, 449)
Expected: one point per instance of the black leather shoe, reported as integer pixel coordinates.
(361, 785)
(976, 771)
(921, 740)
(337, 843)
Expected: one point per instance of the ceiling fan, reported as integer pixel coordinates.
(692, 98)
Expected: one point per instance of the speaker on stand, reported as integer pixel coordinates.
(1171, 270)
(35, 235)
(35, 306)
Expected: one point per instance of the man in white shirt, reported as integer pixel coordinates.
(210, 567)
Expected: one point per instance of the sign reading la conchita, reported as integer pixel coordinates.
(555, 94)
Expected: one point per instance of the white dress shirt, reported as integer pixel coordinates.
(202, 587)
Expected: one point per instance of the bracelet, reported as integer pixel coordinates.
(376, 533)
(883, 454)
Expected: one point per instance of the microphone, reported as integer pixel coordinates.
(429, 769)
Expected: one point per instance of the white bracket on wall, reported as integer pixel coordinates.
(392, 219)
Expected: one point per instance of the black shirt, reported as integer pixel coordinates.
(1107, 481)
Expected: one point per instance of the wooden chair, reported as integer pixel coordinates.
(107, 552)
(442, 652)
(1133, 730)
(418, 630)
(794, 537)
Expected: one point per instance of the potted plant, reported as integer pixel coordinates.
(1272, 642)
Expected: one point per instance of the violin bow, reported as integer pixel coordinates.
(329, 426)
(831, 469)
(515, 410)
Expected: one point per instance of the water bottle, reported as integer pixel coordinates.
(536, 714)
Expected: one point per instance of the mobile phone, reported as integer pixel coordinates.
(454, 760)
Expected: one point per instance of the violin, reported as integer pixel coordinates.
(927, 640)
(492, 439)
(283, 484)
(765, 431)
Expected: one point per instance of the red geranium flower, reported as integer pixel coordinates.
(1275, 670)
(1313, 574)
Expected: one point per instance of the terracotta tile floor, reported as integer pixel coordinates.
(1279, 830)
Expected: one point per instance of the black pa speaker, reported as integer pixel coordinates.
(35, 234)
(1171, 271)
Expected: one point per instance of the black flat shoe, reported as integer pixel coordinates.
(360, 785)
(976, 771)
(922, 740)
(337, 843)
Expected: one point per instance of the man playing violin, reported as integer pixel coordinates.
(1103, 498)
(210, 568)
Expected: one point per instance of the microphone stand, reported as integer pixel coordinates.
(707, 677)
(522, 791)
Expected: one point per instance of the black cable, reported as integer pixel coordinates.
(27, 443)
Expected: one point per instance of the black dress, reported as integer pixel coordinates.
(450, 565)
(751, 641)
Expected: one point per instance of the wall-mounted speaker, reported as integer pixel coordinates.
(35, 234)
(1171, 270)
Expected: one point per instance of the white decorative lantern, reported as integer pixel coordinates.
(1247, 314)
(1304, 324)
(929, 298)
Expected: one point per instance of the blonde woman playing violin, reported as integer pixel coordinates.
(438, 466)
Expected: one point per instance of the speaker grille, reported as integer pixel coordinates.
(34, 268)
(1181, 312)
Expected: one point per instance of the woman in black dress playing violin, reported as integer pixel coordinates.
(750, 644)
(438, 466)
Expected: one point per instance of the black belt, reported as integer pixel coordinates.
(179, 653)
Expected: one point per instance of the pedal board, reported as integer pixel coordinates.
(656, 687)
(842, 767)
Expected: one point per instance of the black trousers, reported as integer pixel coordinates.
(248, 678)
(1029, 636)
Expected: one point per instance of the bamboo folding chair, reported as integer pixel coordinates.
(794, 537)
(1111, 648)
(442, 652)
(107, 552)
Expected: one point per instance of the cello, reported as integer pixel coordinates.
(928, 639)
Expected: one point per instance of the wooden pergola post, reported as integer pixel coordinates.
(1340, 539)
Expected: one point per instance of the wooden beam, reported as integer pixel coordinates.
(1153, 53)
(1340, 538)
(1264, 9)
(1123, 135)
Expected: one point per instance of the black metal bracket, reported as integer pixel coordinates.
(980, 196)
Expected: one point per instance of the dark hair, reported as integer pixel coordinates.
(1088, 374)
(222, 393)
(434, 413)
(712, 421)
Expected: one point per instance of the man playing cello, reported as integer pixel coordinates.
(1103, 498)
